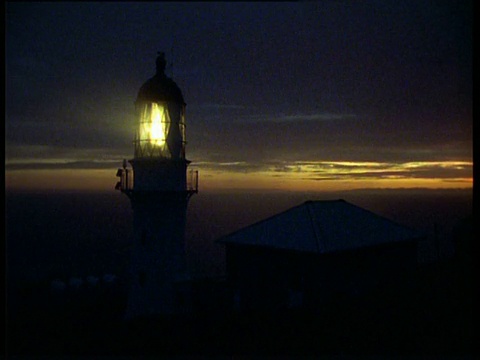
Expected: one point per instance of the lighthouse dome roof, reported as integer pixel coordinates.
(160, 87)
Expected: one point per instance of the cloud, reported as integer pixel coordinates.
(346, 170)
(313, 117)
(231, 167)
(57, 157)
(452, 171)
(250, 114)
(389, 170)
(218, 106)
(73, 165)
(293, 118)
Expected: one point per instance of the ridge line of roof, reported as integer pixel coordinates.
(388, 219)
(257, 222)
(312, 222)
(220, 239)
(324, 201)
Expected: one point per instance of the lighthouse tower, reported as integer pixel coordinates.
(159, 189)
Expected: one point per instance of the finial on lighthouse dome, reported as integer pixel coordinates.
(160, 87)
(161, 63)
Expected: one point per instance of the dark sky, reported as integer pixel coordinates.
(311, 88)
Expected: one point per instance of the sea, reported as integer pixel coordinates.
(59, 235)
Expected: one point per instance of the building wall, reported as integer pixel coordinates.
(270, 279)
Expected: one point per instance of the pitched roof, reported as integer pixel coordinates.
(322, 227)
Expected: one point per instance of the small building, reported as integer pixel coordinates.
(315, 251)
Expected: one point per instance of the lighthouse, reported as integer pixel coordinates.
(159, 186)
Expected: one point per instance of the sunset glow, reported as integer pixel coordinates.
(297, 176)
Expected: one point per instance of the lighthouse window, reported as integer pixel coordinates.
(153, 124)
(153, 127)
(160, 130)
(157, 127)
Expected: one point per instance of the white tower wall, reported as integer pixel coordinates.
(158, 264)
